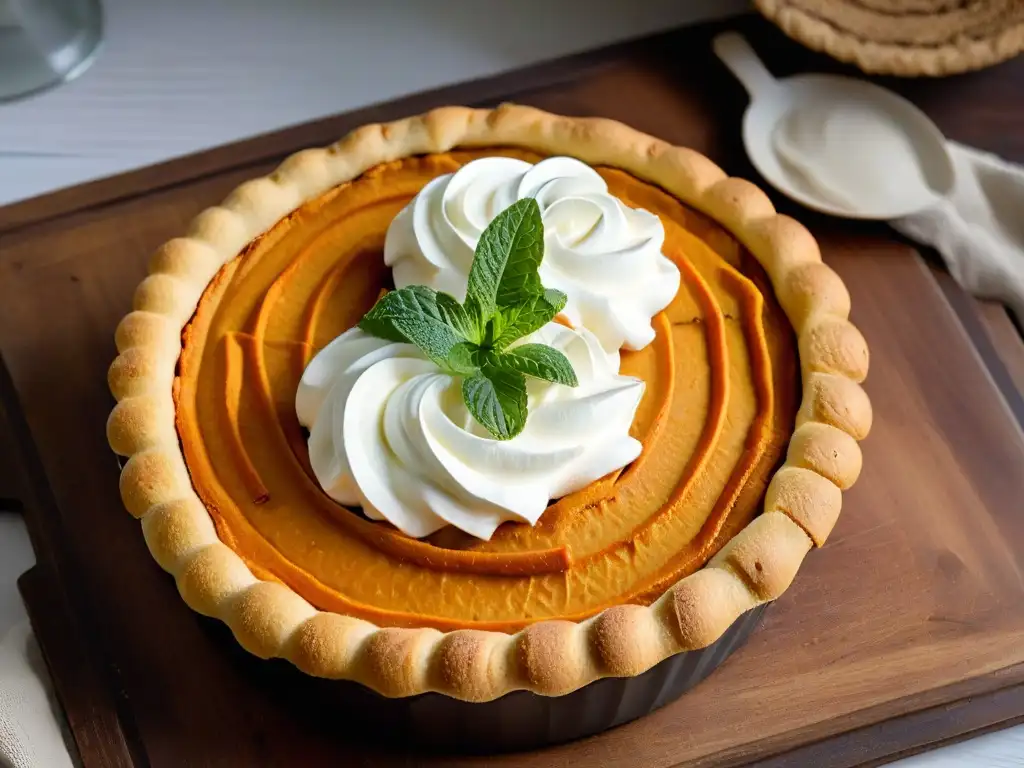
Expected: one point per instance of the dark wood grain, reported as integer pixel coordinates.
(59, 606)
(992, 340)
(1006, 338)
(903, 632)
(11, 475)
(87, 699)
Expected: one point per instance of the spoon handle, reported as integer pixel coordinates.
(735, 52)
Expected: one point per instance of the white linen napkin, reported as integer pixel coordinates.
(979, 228)
(30, 736)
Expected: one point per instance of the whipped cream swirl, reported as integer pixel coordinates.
(605, 256)
(390, 432)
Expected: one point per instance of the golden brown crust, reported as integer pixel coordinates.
(550, 657)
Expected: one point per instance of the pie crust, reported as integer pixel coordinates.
(551, 657)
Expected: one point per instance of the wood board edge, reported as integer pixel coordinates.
(91, 717)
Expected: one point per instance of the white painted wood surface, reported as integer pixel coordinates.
(175, 78)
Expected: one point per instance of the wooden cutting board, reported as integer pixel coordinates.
(905, 631)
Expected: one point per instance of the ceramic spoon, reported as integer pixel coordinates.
(836, 144)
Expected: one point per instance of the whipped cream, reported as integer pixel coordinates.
(390, 432)
(605, 256)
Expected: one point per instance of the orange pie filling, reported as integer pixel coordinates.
(722, 388)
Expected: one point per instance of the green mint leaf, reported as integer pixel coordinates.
(537, 360)
(464, 359)
(411, 314)
(464, 319)
(512, 323)
(414, 299)
(497, 399)
(555, 298)
(379, 320)
(508, 254)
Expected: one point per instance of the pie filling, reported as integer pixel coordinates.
(722, 388)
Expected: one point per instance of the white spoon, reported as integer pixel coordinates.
(838, 145)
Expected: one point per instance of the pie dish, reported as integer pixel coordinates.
(749, 426)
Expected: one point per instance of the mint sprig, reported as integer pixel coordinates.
(505, 301)
(412, 314)
(537, 360)
(508, 254)
(497, 399)
(522, 319)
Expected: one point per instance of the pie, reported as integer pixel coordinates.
(749, 424)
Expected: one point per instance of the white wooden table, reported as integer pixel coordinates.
(175, 78)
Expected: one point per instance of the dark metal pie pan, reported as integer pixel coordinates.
(524, 720)
(517, 721)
